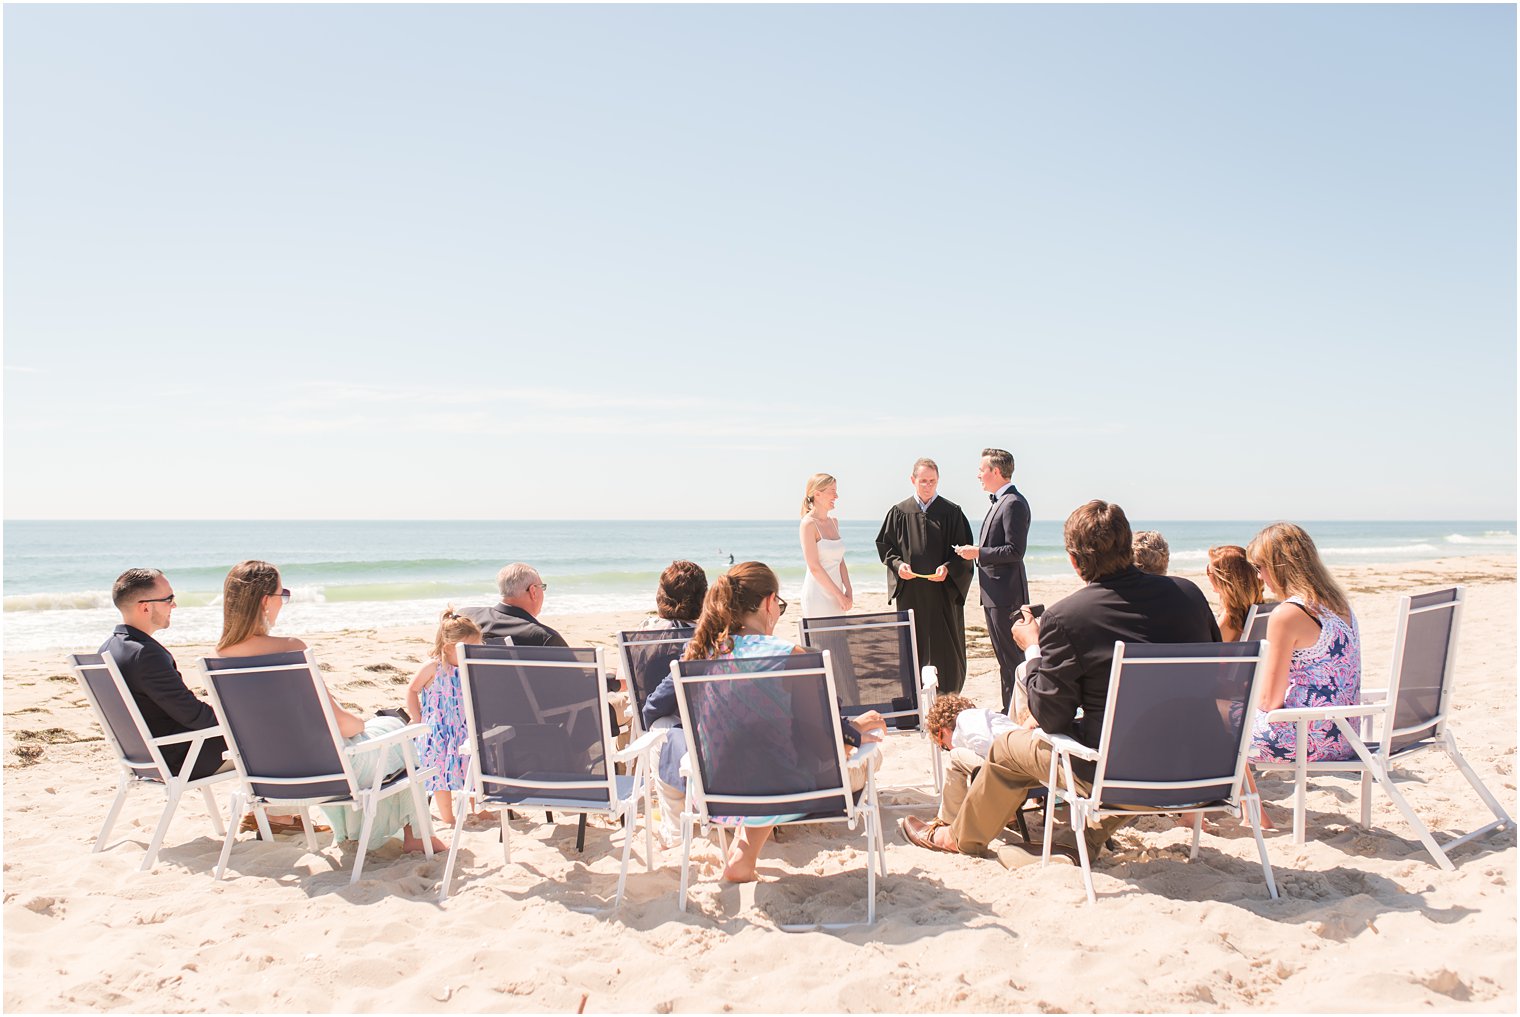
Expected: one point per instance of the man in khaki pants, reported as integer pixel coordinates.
(1069, 653)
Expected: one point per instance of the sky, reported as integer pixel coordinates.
(665, 262)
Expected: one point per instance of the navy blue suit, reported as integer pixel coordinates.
(1004, 583)
(167, 706)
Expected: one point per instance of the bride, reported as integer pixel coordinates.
(826, 587)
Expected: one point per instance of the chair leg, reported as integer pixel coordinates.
(685, 858)
(1253, 809)
(172, 794)
(506, 839)
(580, 834)
(1050, 811)
(628, 833)
(1385, 780)
(262, 819)
(871, 839)
(367, 803)
(1079, 828)
(1197, 835)
(1450, 745)
(216, 814)
(235, 809)
(113, 812)
(304, 815)
(425, 817)
(1366, 800)
(1300, 781)
(448, 866)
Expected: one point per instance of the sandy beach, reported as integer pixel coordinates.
(1366, 921)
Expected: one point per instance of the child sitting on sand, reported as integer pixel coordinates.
(957, 725)
(434, 699)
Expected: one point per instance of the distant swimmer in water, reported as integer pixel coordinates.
(730, 559)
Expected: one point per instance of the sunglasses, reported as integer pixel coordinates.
(159, 600)
(781, 603)
(284, 595)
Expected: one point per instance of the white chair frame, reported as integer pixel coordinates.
(698, 811)
(365, 798)
(625, 669)
(132, 775)
(1255, 626)
(1084, 807)
(1376, 766)
(928, 688)
(639, 752)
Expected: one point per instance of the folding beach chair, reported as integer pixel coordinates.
(875, 661)
(140, 753)
(763, 739)
(283, 736)
(1175, 737)
(644, 661)
(1414, 710)
(1255, 626)
(540, 737)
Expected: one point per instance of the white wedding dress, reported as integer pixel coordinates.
(817, 601)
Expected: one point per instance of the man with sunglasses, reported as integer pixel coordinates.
(146, 603)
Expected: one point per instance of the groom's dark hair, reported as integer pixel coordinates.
(1000, 460)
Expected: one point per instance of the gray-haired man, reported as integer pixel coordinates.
(522, 598)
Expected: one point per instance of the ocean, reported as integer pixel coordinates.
(371, 574)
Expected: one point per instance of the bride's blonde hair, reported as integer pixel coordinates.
(817, 482)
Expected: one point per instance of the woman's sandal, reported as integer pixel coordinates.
(250, 824)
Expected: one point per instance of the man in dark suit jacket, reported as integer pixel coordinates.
(516, 617)
(146, 602)
(1070, 652)
(999, 557)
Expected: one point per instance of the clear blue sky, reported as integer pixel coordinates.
(665, 262)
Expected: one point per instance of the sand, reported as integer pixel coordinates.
(1366, 922)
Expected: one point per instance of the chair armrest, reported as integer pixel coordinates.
(1067, 745)
(1296, 713)
(864, 754)
(646, 741)
(407, 733)
(190, 736)
(929, 677)
(1374, 695)
(665, 723)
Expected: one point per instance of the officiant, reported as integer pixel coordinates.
(926, 575)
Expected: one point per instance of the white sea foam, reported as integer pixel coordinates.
(1495, 538)
(83, 600)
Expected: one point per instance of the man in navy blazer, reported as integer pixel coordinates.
(999, 557)
(146, 602)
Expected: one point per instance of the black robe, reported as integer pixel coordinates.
(922, 540)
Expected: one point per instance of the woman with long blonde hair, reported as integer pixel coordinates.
(252, 597)
(826, 587)
(739, 618)
(1315, 652)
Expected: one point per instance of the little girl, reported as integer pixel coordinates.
(434, 699)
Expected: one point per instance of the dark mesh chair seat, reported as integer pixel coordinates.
(1414, 716)
(140, 754)
(763, 734)
(285, 740)
(1177, 733)
(541, 737)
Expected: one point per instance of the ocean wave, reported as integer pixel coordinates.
(84, 600)
(1398, 549)
(1498, 538)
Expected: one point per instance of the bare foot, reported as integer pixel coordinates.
(414, 845)
(486, 816)
(740, 871)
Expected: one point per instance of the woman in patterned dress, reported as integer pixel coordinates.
(1315, 655)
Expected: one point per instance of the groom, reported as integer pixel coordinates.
(999, 559)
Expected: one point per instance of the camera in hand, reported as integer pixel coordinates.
(1035, 610)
